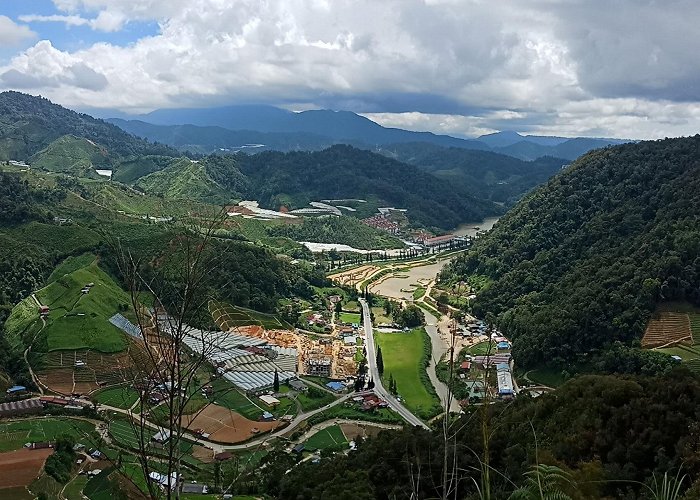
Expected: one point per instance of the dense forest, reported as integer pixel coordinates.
(28, 124)
(583, 261)
(295, 179)
(608, 434)
(483, 174)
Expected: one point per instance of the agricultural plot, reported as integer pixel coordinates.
(314, 398)
(226, 426)
(13, 435)
(119, 397)
(350, 318)
(404, 357)
(80, 320)
(21, 467)
(485, 348)
(667, 328)
(326, 438)
(227, 316)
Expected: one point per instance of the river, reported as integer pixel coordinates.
(467, 229)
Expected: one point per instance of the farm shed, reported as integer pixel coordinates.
(24, 407)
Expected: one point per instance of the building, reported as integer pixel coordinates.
(319, 366)
(16, 390)
(269, 400)
(164, 480)
(194, 488)
(465, 366)
(298, 448)
(504, 345)
(505, 380)
(267, 416)
(161, 436)
(298, 385)
(335, 386)
(25, 407)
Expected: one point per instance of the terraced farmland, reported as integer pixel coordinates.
(667, 328)
(227, 316)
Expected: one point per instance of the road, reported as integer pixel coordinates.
(374, 373)
(439, 348)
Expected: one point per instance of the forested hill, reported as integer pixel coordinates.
(584, 260)
(28, 124)
(486, 175)
(295, 179)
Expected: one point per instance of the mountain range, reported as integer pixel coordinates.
(254, 128)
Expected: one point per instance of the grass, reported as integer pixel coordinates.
(350, 318)
(380, 315)
(229, 397)
(314, 398)
(80, 321)
(546, 376)
(351, 412)
(482, 348)
(405, 359)
(71, 264)
(227, 316)
(418, 293)
(120, 397)
(687, 353)
(74, 489)
(13, 435)
(326, 438)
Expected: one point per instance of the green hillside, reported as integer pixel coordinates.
(185, 179)
(584, 260)
(73, 155)
(29, 124)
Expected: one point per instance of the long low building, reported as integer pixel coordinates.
(505, 380)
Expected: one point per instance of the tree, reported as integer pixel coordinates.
(276, 382)
(380, 361)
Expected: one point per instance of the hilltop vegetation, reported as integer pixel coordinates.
(341, 172)
(342, 230)
(29, 124)
(584, 260)
(73, 155)
(483, 174)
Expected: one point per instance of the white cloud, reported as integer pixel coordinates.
(12, 33)
(106, 21)
(537, 65)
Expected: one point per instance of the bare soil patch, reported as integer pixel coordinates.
(21, 467)
(352, 431)
(226, 426)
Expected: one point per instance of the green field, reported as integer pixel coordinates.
(405, 358)
(482, 348)
(314, 398)
(71, 264)
(120, 397)
(326, 438)
(13, 435)
(80, 321)
(546, 376)
(227, 395)
(346, 317)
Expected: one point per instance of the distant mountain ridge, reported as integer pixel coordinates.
(207, 129)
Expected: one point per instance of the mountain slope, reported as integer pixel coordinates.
(584, 260)
(340, 172)
(72, 155)
(484, 174)
(29, 124)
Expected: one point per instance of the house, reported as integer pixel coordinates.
(319, 366)
(505, 380)
(465, 366)
(503, 345)
(298, 385)
(350, 340)
(267, 416)
(161, 436)
(199, 489)
(165, 480)
(269, 400)
(44, 310)
(298, 448)
(16, 390)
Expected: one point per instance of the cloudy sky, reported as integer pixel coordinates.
(614, 68)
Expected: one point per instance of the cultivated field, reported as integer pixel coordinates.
(667, 328)
(13, 435)
(21, 467)
(227, 316)
(226, 426)
(403, 355)
(326, 438)
(354, 276)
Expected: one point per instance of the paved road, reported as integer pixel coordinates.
(374, 373)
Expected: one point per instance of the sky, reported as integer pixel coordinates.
(605, 68)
